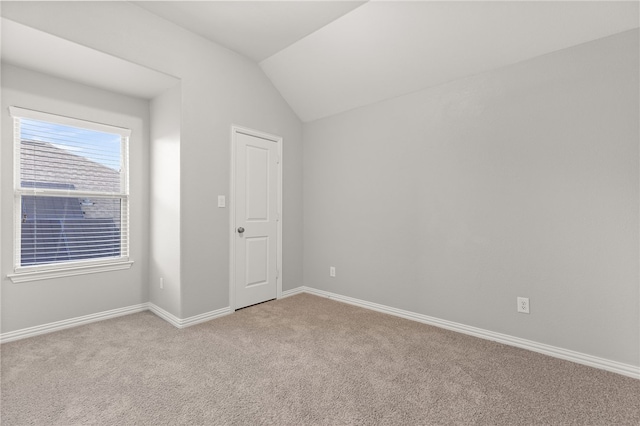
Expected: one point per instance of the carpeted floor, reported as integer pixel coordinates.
(298, 361)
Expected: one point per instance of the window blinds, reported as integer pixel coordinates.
(71, 190)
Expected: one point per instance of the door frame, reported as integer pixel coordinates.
(235, 130)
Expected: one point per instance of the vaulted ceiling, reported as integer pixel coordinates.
(385, 49)
(256, 29)
(326, 57)
(39, 51)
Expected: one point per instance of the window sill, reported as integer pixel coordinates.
(35, 275)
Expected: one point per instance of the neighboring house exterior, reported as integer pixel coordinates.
(65, 228)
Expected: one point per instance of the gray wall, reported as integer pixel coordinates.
(219, 88)
(449, 202)
(164, 201)
(39, 302)
(453, 201)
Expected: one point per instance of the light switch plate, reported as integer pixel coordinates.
(222, 201)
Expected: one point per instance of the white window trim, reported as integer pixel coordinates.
(17, 112)
(32, 273)
(72, 268)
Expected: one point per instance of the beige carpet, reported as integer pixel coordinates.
(298, 361)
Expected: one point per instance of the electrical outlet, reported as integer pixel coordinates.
(523, 305)
(161, 283)
(332, 271)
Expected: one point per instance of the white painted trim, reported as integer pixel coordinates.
(280, 217)
(87, 319)
(68, 270)
(232, 222)
(232, 209)
(68, 323)
(207, 316)
(17, 112)
(292, 292)
(165, 315)
(186, 322)
(554, 351)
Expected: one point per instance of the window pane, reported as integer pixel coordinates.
(61, 229)
(55, 156)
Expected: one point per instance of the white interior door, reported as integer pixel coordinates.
(256, 219)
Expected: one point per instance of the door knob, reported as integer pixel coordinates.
(240, 230)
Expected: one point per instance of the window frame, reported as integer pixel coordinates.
(71, 267)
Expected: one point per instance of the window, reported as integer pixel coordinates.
(71, 198)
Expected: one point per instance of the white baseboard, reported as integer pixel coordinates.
(566, 354)
(68, 323)
(165, 315)
(186, 322)
(292, 292)
(207, 316)
(86, 319)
